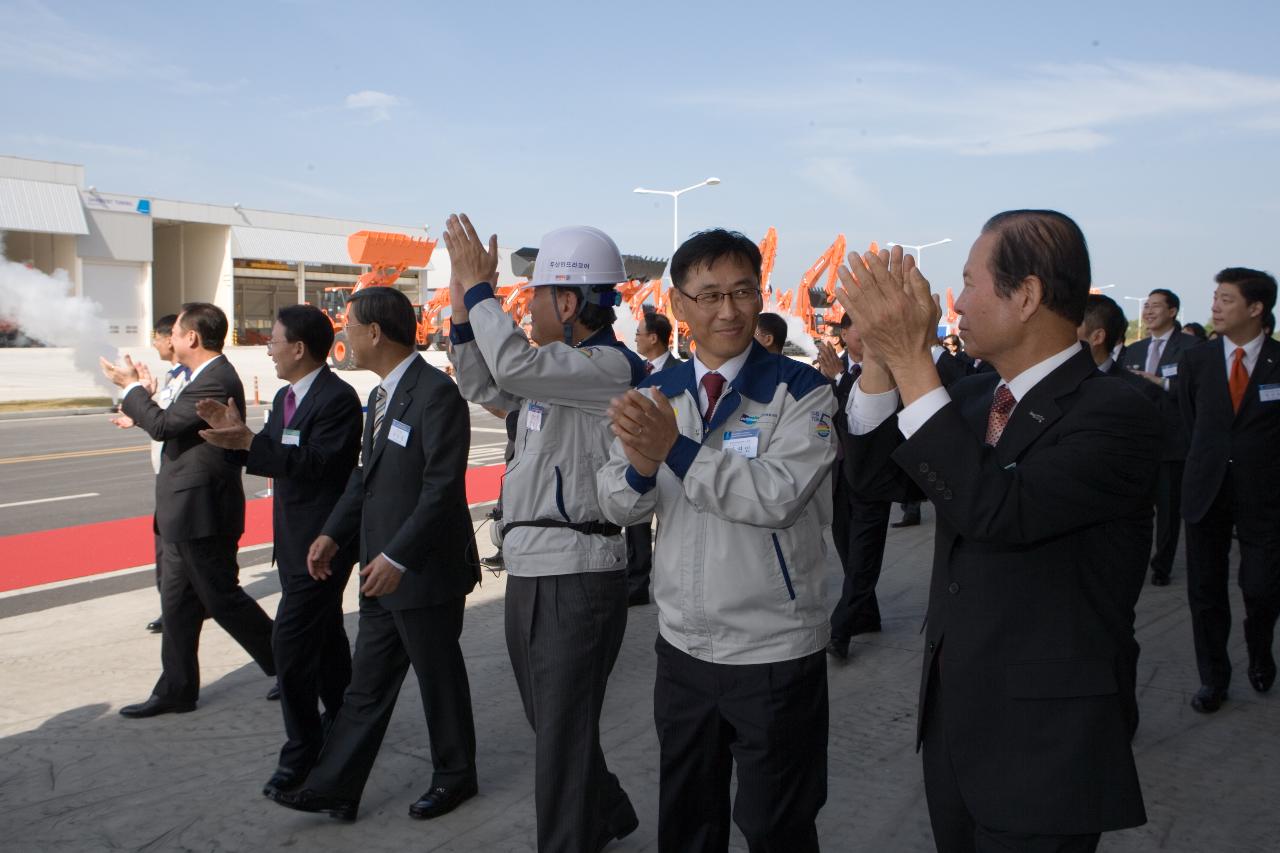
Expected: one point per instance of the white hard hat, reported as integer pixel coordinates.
(580, 256)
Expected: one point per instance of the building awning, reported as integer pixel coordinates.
(275, 244)
(41, 206)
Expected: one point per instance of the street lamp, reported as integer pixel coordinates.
(675, 224)
(1142, 303)
(920, 249)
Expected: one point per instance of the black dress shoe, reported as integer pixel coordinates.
(1208, 699)
(440, 801)
(621, 823)
(1262, 672)
(154, 707)
(283, 781)
(156, 626)
(1159, 580)
(310, 801)
(273, 695)
(638, 598)
(909, 519)
(838, 648)
(865, 629)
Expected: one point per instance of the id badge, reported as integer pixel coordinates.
(1269, 393)
(1169, 371)
(399, 433)
(291, 438)
(533, 420)
(744, 442)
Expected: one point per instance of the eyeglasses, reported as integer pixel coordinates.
(713, 298)
(274, 344)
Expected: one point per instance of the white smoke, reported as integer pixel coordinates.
(42, 308)
(798, 335)
(625, 326)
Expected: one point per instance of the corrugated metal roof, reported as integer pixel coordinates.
(41, 206)
(273, 244)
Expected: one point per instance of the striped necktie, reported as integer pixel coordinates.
(379, 410)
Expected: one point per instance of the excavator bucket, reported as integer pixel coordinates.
(388, 254)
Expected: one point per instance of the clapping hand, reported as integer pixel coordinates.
(227, 429)
(829, 362)
(469, 261)
(647, 429)
(890, 303)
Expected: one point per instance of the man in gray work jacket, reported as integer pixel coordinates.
(732, 451)
(566, 603)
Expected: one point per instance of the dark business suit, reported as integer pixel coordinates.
(859, 528)
(408, 502)
(1173, 445)
(199, 517)
(309, 474)
(1026, 700)
(1232, 469)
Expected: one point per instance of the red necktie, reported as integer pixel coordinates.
(290, 406)
(713, 384)
(1001, 405)
(1239, 380)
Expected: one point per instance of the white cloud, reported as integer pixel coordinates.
(36, 39)
(1074, 107)
(377, 104)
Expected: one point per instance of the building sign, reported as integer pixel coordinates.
(94, 200)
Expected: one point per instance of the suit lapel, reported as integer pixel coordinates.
(1039, 409)
(311, 400)
(1263, 372)
(396, 407)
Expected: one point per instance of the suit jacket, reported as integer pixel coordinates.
(1173, 440)
(1145, 387)
(198, 490)
(1221, 439)
(310, 476)
(952, 368)
(410, 502)
(1040, 552)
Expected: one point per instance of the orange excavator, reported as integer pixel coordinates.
(811, 296)
(388, 255)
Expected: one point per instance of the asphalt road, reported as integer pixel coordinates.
(66, 470)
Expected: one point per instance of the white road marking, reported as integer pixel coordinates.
(50, 500)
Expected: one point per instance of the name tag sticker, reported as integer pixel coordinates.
(1269, 393)
(399, 433)
(744, 442)
(533, 420)
(291, 437)
(1169, 371)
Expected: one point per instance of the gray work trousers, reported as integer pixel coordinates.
(563, 635)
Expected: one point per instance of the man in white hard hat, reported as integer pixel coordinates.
(566, 602)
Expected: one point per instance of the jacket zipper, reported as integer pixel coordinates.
(782, 564)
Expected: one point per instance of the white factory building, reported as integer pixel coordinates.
(141, 258)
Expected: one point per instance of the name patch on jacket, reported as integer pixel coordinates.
(821, 424)
(533, 418)
(291, 438)
(744, 442)
(1269, 393)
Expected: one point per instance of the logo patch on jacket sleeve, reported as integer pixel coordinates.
(821, 424)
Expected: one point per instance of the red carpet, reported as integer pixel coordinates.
(32, 559)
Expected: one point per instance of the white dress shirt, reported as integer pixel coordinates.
(868, 411)
(302, 386)
(1251, 352)
(660, 362)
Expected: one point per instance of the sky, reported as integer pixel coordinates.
(1156, 125)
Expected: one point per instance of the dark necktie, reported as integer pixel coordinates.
(713, 384)
(290, 406)
(1001, 405)
(648, 368)
(1239, 380)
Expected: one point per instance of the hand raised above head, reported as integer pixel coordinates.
(890, 303)
(469, 261)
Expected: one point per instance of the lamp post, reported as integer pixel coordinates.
(920, 249)
(1142, 303)
(675, 226)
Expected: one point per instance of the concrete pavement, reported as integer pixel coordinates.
(78, 777)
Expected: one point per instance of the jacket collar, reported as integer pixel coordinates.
(757, 381)
(395, 410)
(1038, 409)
